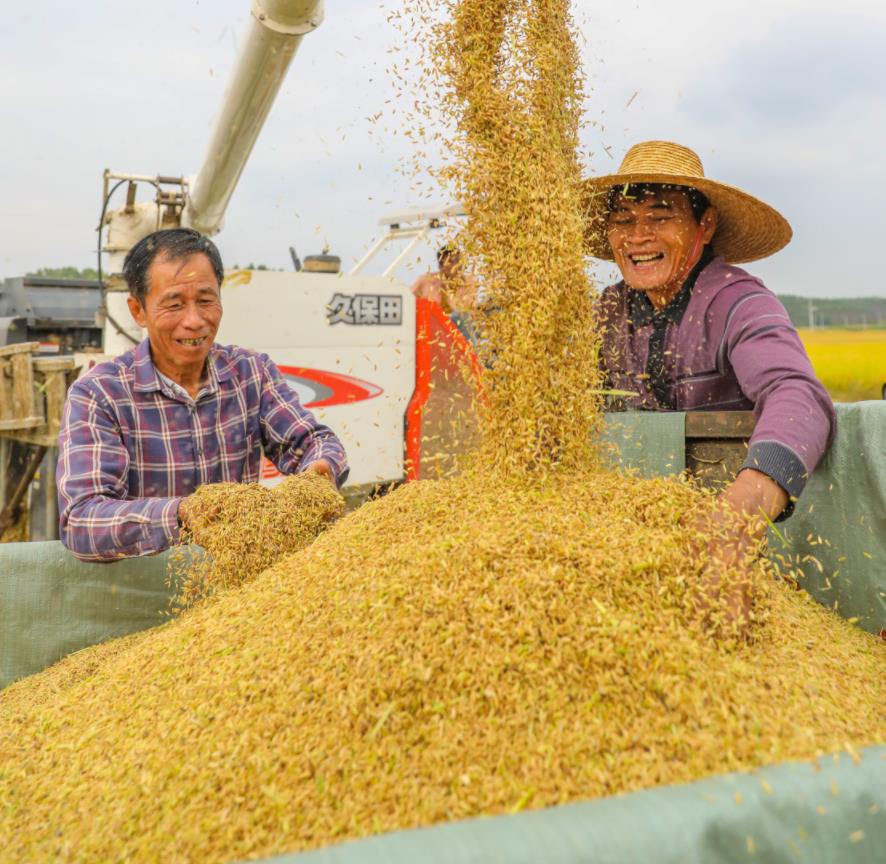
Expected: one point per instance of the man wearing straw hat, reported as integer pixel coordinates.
(686, 329)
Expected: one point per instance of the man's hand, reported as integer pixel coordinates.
(183, 514)
(724, 597)
(324, 469)
(754, 494)
(736, 526)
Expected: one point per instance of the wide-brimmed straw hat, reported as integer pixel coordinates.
(747, 229)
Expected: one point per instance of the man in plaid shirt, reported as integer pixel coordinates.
(142, 432)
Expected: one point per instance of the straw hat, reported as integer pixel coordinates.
(747, 228)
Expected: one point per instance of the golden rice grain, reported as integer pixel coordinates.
(522, 635)
(245, 527)
(457, 648)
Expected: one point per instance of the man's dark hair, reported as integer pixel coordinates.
(445, 252)
(697, 200)
(172, 244)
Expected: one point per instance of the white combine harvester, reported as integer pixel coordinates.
(370, 360)
(347, 342)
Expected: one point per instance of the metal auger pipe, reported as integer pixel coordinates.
(276, 30)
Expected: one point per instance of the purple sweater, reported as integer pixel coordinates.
(725, 343)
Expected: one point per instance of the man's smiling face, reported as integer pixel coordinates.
(182, 312)
(652, 238)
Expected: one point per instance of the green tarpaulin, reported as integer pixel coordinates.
(647, 442)
(51, 604)
(837, 534)
(833, 812)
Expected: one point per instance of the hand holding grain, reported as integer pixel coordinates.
(324, 469)
(736, 526)
(185, 510)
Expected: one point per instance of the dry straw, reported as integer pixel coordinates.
(522, 635)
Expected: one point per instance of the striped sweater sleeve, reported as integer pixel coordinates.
(795, 417)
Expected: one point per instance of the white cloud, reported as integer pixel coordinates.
(86, 87)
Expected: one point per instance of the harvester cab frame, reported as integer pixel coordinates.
(415, 226)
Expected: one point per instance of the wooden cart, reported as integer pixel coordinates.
(32, 398)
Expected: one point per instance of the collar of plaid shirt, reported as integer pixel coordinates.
(146, 378)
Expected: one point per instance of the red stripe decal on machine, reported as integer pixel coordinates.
(343, 389)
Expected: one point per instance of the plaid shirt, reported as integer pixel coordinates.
(133, 444)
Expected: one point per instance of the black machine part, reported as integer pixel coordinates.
(58, 313)
(322, 263)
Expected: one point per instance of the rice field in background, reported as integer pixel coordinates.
(850, 363)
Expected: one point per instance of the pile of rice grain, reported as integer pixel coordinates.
(245, 527)
(425, 660)
(522, 635)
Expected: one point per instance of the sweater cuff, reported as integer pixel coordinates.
(163, 530)
(338, 463)
(783, 465)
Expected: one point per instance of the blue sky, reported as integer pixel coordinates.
(785, 99)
